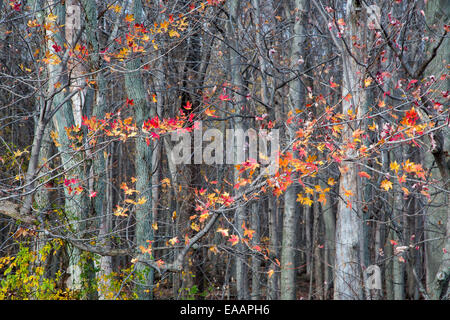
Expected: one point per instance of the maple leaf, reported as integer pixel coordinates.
(247, 232)
(307, 201)
(210, 113)
(173, 241)
(364, 174)
(270, 273)
(394, 166)
(188, 106)
(173, 33)
(52, 17)
(195, 227)
(411, 116)
(93, 194)
(331, 181)
(224, 232)
(129, 18)
(347, 193)
(223, 97)
(234, 239)
(410, 84)
(401, 179)
(142, 200)
(333, 85)
(257, 248)
(117, 8)
(386, 185)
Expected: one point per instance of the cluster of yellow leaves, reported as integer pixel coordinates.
(306, 200)
(23, 275)
(51, 58)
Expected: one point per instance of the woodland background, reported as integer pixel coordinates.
(91, 207)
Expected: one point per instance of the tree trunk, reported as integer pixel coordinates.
(349, 220)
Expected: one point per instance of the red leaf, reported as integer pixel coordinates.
(363, 174)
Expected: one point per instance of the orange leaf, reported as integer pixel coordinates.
(363, 174)
(210, 113)
(129, 18)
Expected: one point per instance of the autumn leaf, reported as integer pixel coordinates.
(210, 113)
(270, 273)
(234, 239)
(188, 106)
(214, 249)
(223, 97)
(341, 22)
(347, 193)
(117, 8)
(174, 241)
(386, 185)
(224, 232)
(173, 33)
(394, 166)
(363, 174)
(52, 17)
(129, 18)
(333, 85)
(331, 181)
(195, 227)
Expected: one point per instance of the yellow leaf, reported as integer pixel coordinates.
(394, 166)
(214, 249)
(174, 33)
(117, 8)
(52, 17)
(173, 241)
(386, 185)
(195, 227)
(142, 200)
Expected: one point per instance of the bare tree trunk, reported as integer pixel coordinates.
(135, 89)
(256, 259)
(349, 225)
(234, 27)
(272, 282)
